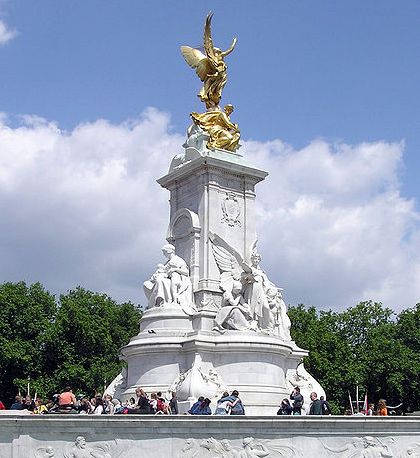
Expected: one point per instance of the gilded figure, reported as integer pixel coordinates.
(223, 132)
(212, 70)
(210, 67)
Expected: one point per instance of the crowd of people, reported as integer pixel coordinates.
(68, 402)
(228, 404)
(321, 407)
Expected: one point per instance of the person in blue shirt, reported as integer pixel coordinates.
(204, 408)
(196, 406)
(17, 405)
(237, 406)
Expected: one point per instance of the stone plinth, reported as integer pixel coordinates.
(256, 365)
(130, 436)
(212, 192)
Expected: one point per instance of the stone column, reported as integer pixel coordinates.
(212, 193)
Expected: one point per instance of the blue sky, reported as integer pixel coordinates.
(341, 73)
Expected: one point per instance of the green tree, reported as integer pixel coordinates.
(85, 342)
(408, 334)
(27, 318)
(74, 341)
(365, 345)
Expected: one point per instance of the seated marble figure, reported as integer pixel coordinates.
(170, 284)
(250, 300)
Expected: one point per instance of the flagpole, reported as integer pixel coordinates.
(357, 398)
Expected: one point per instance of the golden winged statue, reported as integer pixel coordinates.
(212, 71)
(210, 67)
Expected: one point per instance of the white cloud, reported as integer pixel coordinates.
(5, 33)
(334, 226)
(83, 207)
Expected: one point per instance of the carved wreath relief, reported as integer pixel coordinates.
(231, 210)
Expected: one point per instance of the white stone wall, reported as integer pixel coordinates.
(128, 436)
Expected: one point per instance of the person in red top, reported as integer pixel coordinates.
(67, 399)
(2, 406)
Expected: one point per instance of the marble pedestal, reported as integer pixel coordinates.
(258, 366)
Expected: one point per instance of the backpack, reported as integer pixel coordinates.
(326, 410)
(160, 406)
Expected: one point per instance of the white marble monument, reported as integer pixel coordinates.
(214, 320)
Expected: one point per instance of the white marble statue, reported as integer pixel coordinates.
(45, 452)
(170, 284)
(250, 300)
(256, 287)
(253, 449)
(235, 313)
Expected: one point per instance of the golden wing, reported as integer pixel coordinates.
(197, 60)
(208, 41)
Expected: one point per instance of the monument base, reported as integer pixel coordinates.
(263, 368)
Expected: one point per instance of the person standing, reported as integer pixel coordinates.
(371, 410)
(297, 399)
(316, 405)
(173, 404)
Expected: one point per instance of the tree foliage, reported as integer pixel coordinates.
(76, 340)
(366, 345)
(73, 340)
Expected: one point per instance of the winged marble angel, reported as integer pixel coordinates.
(250, 300)
(212, 71)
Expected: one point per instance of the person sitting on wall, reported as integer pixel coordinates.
(28, 404)
(285, 408)
(196, 405)
(17, 405)
(204, 408)
(143, 403)
(224, 404)
(40, 407)
(67, 400)
(162, 406)
(237, 406)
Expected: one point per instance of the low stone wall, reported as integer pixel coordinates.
(135, 436)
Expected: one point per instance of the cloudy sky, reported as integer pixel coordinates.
(95, 100)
